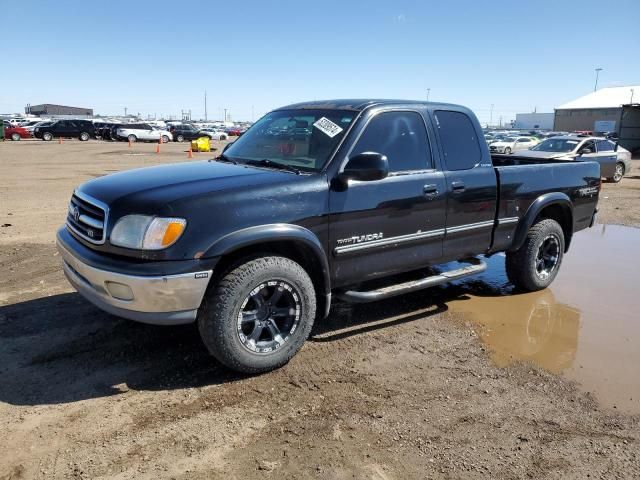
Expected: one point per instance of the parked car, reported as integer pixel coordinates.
(364, 197)
(80, 129)
(184, 132)
(234, 131)
(31, 128)
(509, 145)
(144, 133)
(16, 133)
(614, 160)
(214, 134)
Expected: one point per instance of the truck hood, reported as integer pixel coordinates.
(148, 189)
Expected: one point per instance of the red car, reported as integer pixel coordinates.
(16, 133)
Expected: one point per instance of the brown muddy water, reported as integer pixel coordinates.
(586, 325)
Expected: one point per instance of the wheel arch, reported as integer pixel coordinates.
(291, 241)
(555, 206)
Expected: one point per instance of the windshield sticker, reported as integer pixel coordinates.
(327, 127)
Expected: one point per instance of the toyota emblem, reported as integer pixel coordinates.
(75, 213)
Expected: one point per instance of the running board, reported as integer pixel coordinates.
(352, 296)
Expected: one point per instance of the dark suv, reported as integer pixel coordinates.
(185, 132)
(80, 129)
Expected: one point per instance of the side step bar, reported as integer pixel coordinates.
(353, 296)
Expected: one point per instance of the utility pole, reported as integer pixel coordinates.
(225, 114)
(428, 93)
(598, 70)
(491, 116)
(205, 105)
(125, 111)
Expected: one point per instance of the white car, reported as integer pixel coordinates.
(214, 134)
(512, 144)
(143, 133)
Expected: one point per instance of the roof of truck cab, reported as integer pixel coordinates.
(359, 104)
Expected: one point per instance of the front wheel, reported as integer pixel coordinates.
(618, 173)
(180, 138)
(165, 139)
(84, 136)
(132, 138)
(47, 137)
(259, 315)
(15, 137)
(507, 150)
(536, 263)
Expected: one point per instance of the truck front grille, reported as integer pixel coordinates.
(86, 218)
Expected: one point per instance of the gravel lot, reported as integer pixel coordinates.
(393, 390)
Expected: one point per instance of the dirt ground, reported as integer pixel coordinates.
(394, 390)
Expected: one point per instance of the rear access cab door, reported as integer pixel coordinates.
(471, 183)
(396, 224)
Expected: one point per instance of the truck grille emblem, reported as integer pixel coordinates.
(75, 213)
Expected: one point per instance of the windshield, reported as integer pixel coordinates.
(556, 145)
(304, 139)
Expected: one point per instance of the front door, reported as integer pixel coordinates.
(395, 224)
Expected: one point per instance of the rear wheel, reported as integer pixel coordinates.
(259, 315)
(15, 137)
(536, 263)
(618, 173)
(165, 139)
(132, 138)
(84, 136)
(180, 138)
(47, 136)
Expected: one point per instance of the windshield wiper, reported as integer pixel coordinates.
(265, 162)
(223, 158)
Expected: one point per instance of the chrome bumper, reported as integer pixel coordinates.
(160, 300)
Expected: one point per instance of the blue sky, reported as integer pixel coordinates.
(251, 56)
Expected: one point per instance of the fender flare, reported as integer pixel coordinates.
(276, 232)
(543, 201)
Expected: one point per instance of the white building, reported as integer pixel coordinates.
(531, 121)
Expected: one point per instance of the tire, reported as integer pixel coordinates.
(180, 138)
(223, 137)
(84, 136)
(237, 308)
(619, 173)
(15, 137)
(47, 136)
(507, 151)
(132, 138)
(165, 139)
(536, 263)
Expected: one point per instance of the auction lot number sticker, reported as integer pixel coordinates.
(327, 127)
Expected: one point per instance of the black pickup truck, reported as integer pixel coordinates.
(252, 245)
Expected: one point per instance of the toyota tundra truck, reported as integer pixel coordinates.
(312, 203)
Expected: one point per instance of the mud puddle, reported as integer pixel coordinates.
(585, 326)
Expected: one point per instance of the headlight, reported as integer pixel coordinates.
(147, 233)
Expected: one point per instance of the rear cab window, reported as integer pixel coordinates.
(459, 140)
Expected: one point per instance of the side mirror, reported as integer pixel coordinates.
(585, 151)
(366, 167)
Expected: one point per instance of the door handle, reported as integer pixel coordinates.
(457, 187)
(430, 191)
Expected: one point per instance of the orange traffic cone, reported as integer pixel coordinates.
(158, 147)
(190, 152)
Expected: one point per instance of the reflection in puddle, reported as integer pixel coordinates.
(585, 325)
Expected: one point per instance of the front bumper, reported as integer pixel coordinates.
(159, 300)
